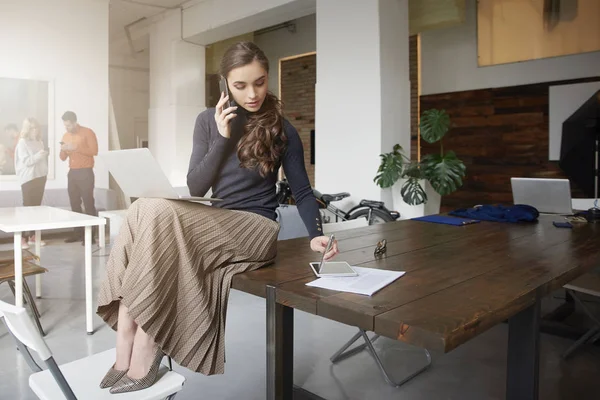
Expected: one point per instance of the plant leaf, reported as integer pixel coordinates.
(390, 169)
(444, 173)
(412, 192)
(434, 125)
(413, 170)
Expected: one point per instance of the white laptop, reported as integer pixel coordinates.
(548, 196)
(138, 175)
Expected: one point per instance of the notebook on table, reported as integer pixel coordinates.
(444, 219)
(367, 282)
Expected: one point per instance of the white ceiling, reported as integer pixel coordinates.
(125, 12)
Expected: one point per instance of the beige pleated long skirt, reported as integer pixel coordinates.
(172, 265)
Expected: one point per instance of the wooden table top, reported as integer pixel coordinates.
(459, 281)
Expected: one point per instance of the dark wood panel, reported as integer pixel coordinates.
(438, 268)
(451, 317)
(437, 256)
(405, 236)
(499, 133)
(460, 281)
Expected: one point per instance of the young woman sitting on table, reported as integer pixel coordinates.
(170, 269)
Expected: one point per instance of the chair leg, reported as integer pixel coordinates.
(340, 355)
(30, 298)
(24, 351)
(590, 336)
(584, 308)
(595, 338)
(580, 342)
(36, 313)
(11, 285)
(60, 379)
(170, 362)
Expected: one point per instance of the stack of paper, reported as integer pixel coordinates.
(368, 281)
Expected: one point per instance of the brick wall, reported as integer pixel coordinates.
(298, 78)
(414, 93)
(499, 133)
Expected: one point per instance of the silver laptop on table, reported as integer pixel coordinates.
(548, 196)
(138, 175)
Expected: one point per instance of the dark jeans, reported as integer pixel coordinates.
(81, 188)
(33, 192)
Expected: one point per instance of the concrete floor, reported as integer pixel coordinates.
(474, 371)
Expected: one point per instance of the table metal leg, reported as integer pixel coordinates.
(18, 269)
(88, 281)
(280, 352)
(38, 252)
(280, 348)
(522, 378)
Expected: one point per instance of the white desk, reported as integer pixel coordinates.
(22, 219)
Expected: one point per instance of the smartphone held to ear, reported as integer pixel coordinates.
(225, 89)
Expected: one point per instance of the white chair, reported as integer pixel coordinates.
(78, 379)
(589, 284)
(344, 225)
(7, 274)
(343, 353)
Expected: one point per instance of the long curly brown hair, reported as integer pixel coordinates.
(264, 142)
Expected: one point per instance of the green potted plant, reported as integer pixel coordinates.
(421, 184)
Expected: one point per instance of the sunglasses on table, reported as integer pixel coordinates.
(380, 248)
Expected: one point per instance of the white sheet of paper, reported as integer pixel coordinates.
(368, 281)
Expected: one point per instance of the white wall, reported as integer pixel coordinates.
(283, 43)
(129, 79)
(66, 41)
(177, 96)
(449, 62)
(348, 98)
(362, 94)
(395, 81)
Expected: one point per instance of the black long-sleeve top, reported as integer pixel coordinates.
(214, 163)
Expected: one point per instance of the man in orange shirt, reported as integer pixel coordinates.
(79, 145)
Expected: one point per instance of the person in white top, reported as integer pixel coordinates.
(31, 166)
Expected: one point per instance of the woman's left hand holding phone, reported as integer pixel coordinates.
(224, 115)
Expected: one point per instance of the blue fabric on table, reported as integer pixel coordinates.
(499, 213)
